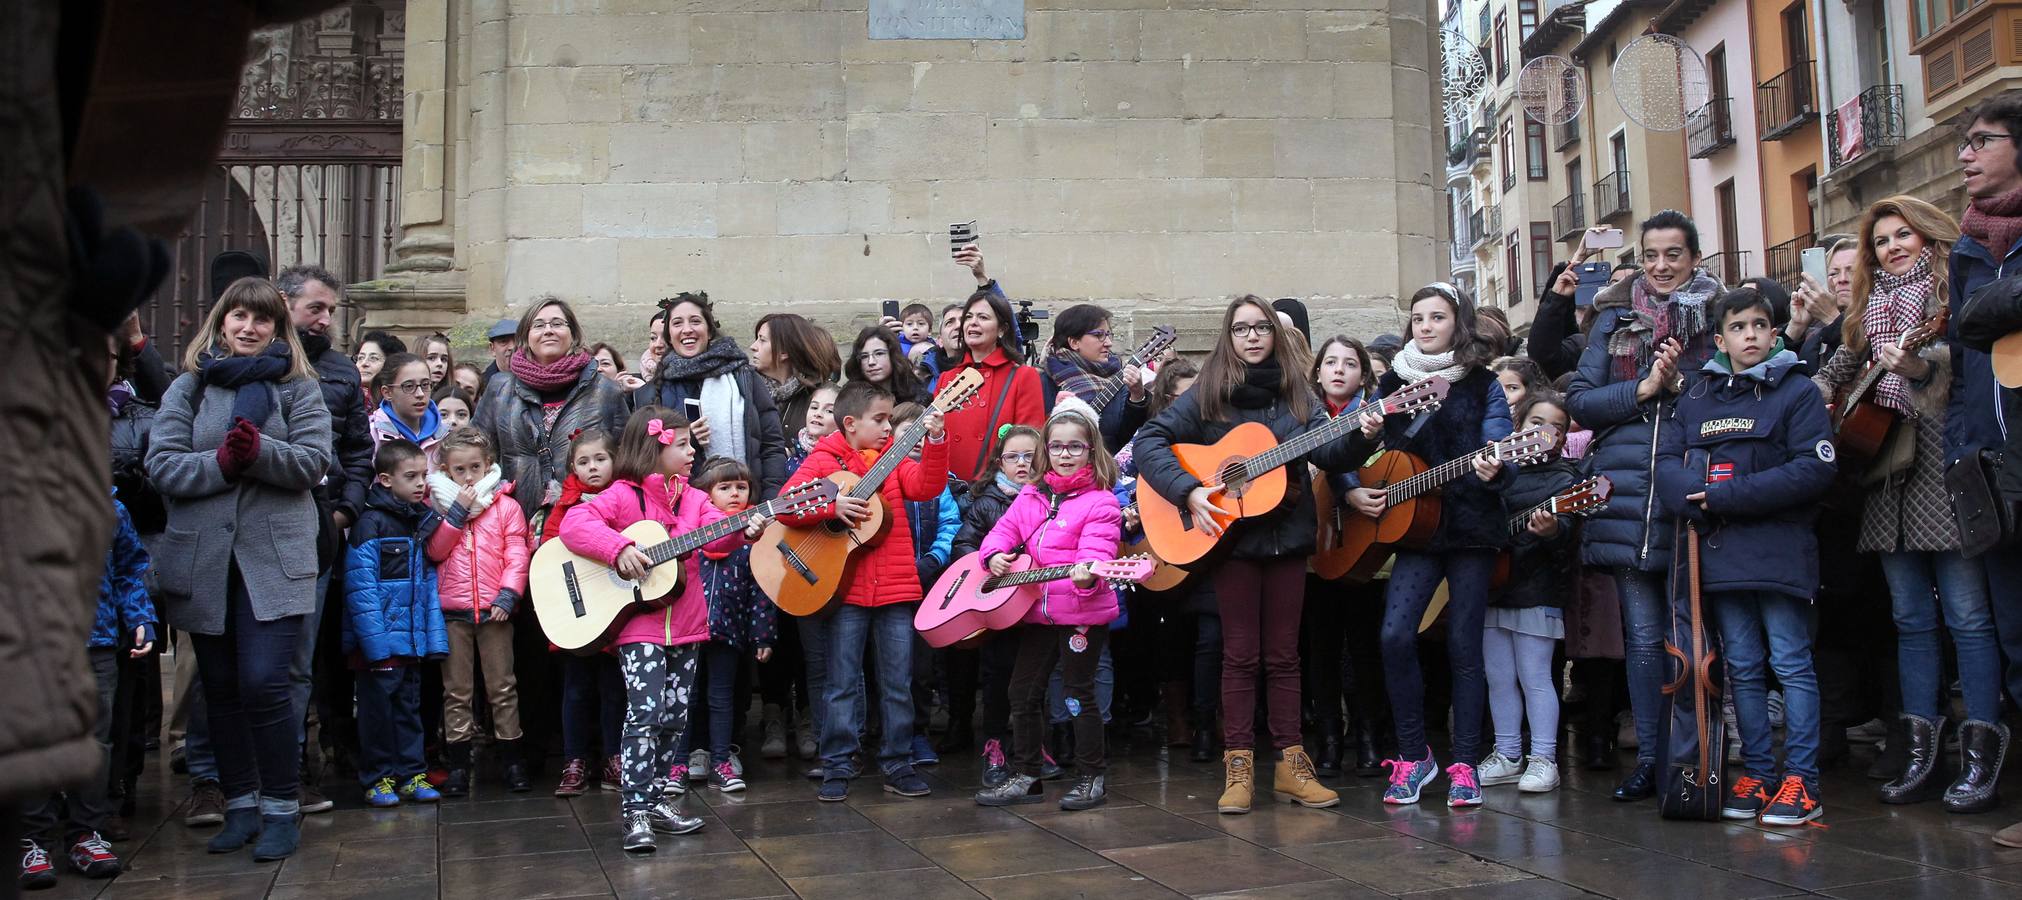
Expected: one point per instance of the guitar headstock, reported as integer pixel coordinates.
(959, 391)
(1927, 331)
(1162, 339)
(1585, 497)
(1128, 569)
(1427, 394)
(805, 497)
(1524, 447)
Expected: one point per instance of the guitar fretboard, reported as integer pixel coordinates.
(1522, 520)
(1438, 475)
(902, 446)
(1029, 576)
(1114, 383)
(688, 542)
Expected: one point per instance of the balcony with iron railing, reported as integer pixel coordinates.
(1491, 226)
(1879, 127)
(1783, 104)
(1783, 262)
(1730, 266)
(1480, 155)
(1611, 196)
(1710, 128)
(1568, 135)
(1569, 216)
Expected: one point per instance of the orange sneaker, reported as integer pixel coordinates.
(1796, 802)
(1745, 798)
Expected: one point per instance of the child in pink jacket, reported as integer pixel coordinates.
(657, 644)
(1069, 517)
(481, 557)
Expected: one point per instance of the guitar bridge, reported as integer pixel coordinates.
(575, 593)
(954, 590)
(793, 559)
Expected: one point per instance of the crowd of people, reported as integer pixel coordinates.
(340, 544)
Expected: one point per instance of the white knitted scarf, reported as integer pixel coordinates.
(1414, 366)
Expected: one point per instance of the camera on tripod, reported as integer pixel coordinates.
(1028, 321)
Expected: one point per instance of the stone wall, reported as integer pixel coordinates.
(1140, 153)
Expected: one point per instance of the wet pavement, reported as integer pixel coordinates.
(1159, 836)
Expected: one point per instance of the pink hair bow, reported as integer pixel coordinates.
(659, 429)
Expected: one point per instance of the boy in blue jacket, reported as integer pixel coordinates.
(1748, 463)
(392, 619)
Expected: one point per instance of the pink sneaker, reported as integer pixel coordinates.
(677, 780)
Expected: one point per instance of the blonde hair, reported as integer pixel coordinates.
(465, 438)
(1099, 459)
(1939, 232)
(260, 297)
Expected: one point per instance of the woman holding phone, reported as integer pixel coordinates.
(708, 377)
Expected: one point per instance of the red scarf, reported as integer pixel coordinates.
(1995, 221)
(572, 493)
(551, 377)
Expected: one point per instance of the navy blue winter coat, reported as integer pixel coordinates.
(391, 610)
(1979, 413)
(1770, 425)
(1471, 514)
(1541, 570)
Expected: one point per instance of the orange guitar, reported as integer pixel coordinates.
(801, 568)
(1164, 576)
(1863, 423)
(1245, 471)
(1411, 508)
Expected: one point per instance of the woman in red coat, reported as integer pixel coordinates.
(1011, 392)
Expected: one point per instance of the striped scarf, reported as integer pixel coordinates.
(1896, 305)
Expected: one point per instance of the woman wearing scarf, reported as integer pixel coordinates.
(794, 357)
(1082, 361)
(1900, 281)
(1647, 329)
(738, 418)
(549, 392)
(241, 440)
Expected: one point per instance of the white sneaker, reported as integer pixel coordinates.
(1541, 775)
(1497, 769)
(698, 766)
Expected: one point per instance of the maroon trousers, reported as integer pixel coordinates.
(1260, 602)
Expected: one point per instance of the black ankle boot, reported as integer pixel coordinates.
(458, 757)
(1895, 752)
(1204, 746)
(1982, 748)
(1328, 763)
(1368, 760)
(1920, 780)
(1600, 753)
(1640, 785)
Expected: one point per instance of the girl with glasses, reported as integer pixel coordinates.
(1015, 465)
(875, 358)
(405, 412)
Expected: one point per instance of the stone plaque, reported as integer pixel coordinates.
(989, 20)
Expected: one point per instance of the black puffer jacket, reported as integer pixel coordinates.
(985, 508)
(764, 441)
(343, 489)
(1285, 531)
(1990, 314)
(1541, 570)
(532, 456)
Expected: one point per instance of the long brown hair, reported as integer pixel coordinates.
(259, 297)
(808, 350)
(1169, 372)
(1939, 232)
(1470, 346)
(1224, 369)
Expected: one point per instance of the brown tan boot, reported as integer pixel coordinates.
(1294, 780)
(1239, 774)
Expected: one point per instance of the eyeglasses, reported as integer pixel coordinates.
(1069, 450)
(1243, 329)
(1100, 334)
(869, 355)
(1978, 140)
(412, 387)
(1022, 456)
(549, 325)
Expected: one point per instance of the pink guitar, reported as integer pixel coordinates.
(968, 600)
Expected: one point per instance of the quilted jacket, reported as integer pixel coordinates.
(123, 604)
(884, 570)
(1083, 528)
(592, 528)
(481, 556)
(390, 608)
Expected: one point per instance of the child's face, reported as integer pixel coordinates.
(1432, 325)
(409, 391)
(1512, 387)
(466, 465)
(1552, 419)
(1019, 459)
(730, 496)
(1067, 448)
(913, 454)
(918, 327)
(592, 465)
(408, 481)
(437, 360)
(872, 429)
(675, 458)
(821, 413)
(468, 379)
(455, 413)
(1746, 337)
(1340, 373)
(876, 360)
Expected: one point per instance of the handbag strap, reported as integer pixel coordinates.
(990, 436)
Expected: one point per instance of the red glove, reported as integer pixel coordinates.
(240, 448)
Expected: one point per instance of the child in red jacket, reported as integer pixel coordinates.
(879, 590)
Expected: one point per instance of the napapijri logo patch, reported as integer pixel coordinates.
(1825, 451)
(1717, 427)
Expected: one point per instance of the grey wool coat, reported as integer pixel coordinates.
(266, 520)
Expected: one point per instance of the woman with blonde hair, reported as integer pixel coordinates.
(1899, 282)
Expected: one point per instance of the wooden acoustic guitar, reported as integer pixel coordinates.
(1411, 501)
(1245, 471)
(1863, 423)
(967, 600)
(1582, 499)
(580, 601)
(1162, 338)
(802, 568)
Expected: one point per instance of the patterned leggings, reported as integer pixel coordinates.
(658, 681)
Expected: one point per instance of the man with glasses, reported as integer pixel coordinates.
(1082, 359)
(1979, 412)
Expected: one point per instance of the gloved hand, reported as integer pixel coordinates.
(240, 448)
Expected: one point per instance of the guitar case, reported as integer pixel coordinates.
(1691, 733)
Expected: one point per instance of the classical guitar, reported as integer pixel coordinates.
(579, 600)
(1863, 423)
(1162, 339)
(968, 600)
(1411, 504)
(1245, 471)
(1582, 499)
(800, 568)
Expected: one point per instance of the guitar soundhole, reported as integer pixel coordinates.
(1234, 482)
(836, 526)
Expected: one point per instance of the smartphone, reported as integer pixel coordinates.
(891, 310)
(961, 234)
(694, 406)
(1813, 259)
(1606, 240)
(1593, 277)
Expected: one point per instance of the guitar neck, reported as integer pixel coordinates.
(1030, 576)
(1297, 447)
(901, 447)
(1861, 388)
(688, 542)
(1522, 520)
(1428, 480)
(1112, 384)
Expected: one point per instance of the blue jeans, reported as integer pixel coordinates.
(891, 626)
(718, 672)
(248, 701)
(1413, 579)
(2004, 594)
(389, 724)
(1961, 588)
(593, 704)
(1762, 631)
(1646, 611)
